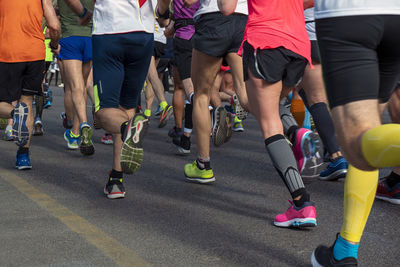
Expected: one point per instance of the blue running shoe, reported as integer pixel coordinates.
(23, 162)
(19, 128)
(335, 170)
(72, 140)
(158, 111)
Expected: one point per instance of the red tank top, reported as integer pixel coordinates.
(21, 34)
(275, 23)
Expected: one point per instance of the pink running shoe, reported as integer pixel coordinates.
(107, 139)
(305, 216)
(308, 152)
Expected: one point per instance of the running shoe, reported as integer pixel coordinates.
(239, 110)
(322, 256)
(194, 174)
(165, 115)
(308, 152)
(67, 124)
(72, 140)
(9, 134)
(48, 99)
(132, 148)
(38, 127)
(229, 127)
(335, 170)
(219, 126)
(304, 216)
(19, 129)
(182, 144)
(174, 133)
(158, 111)
(107, 139)
(237, 125)
(85, 141)
(114, 189)
(387, 193)
(23, 162)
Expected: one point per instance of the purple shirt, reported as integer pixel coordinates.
(181, 12)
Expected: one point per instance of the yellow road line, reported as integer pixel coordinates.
(117, 252)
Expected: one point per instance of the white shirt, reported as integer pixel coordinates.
(159, 34)
(338, 8)
(210, 6)
(121, 16)
(310, 24)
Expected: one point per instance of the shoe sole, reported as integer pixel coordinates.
(132, 149)
(108, 142)
(164, 120)
(240, 130)
(239, 111)
(336, 175)
(85, 145)
(312, 152)
(229, 127)
(21, 168)
(388, 199)
(201, 180)
(181, 150)
(114, 195)
(314, 261)
(20, 130)
(297, 223)
(69, 145)
(220, 131)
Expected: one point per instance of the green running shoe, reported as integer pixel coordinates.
(132, 148)
(194, 174)
(166, 113)
(85, 142)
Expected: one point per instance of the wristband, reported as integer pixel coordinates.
(163, 16)
(83, 12)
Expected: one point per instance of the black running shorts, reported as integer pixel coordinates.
(183, 57)
(22, 78)
(159, 49)
(273, 65)
(315, 52)
(217, 35)
(360, 57)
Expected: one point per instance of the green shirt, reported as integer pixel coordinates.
(69, 20)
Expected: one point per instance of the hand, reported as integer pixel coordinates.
(55, 51)
(86, 19)
(169, 31)
(189, 3)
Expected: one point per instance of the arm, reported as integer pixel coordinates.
(162, 12)
(227, 7)
(53, 25)
(308, 4)
(84, 15)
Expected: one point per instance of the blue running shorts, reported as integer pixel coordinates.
(76, 47)
(120, 66)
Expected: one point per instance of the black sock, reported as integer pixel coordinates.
(393, 179)
(305, 197)
(291, 133)
(188, 116)
(123, 127)
(324, 124)
(203, 164)
(115, 175)
(23, 150)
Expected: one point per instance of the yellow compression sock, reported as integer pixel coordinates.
(298, 111)
(163, 104)
(381, 146)
(147, 112)
(359, 194)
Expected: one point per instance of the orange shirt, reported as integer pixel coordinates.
(21, 34)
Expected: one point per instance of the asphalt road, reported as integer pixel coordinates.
(57, 215)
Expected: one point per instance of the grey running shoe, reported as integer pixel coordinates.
(239, 110)
(220, 126)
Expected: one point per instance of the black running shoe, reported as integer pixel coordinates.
(182, 144)
(114, 189)
(323, 257)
